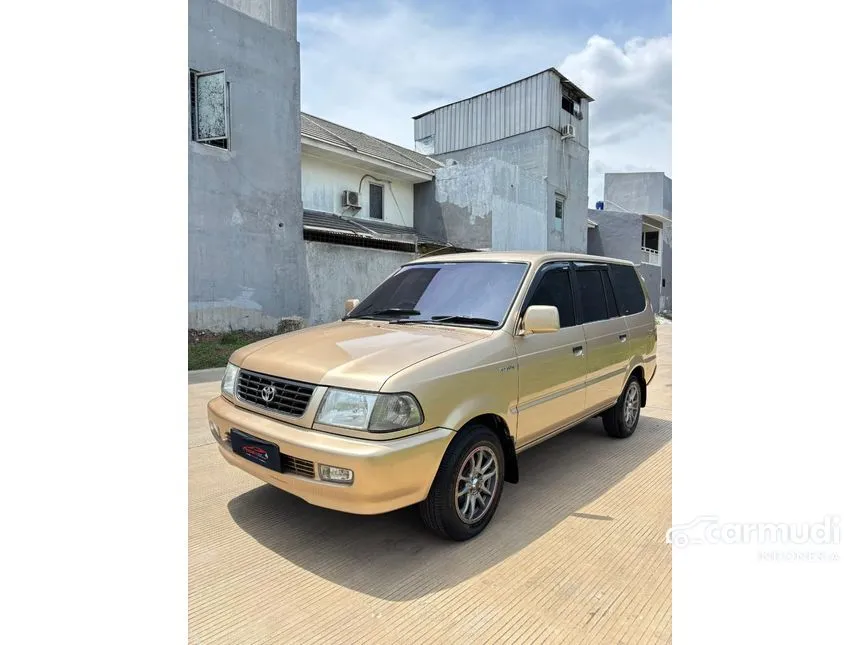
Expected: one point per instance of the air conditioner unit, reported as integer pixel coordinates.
(568, 131)
(350, 199)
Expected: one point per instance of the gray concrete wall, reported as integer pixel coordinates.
(338, 273)
(618, 235)
(651, 275)
(280, 14)
(667, 196)
(594, 242)
(483, 204)
(529, 151)
(567, 175)
(639, 192)
(501, 195)
(666, 294)
(246, 264)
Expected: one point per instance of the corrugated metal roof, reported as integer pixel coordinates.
(530, 104)
(364, 227)
(565, 81)
(317, 128)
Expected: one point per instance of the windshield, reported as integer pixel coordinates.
(467, 293)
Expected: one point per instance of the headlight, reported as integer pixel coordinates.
(228, 383)
(369, 411)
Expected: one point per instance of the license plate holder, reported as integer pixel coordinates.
(258, 451)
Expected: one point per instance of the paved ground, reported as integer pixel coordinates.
(205, 376)
(575, 552)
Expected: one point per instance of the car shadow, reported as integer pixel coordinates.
(393, 557)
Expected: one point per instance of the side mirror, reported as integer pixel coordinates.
(541, 319)
(350, 305)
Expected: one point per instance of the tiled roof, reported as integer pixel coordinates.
(364, 227)
(338, 135)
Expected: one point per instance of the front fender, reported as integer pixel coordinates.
(478, 406)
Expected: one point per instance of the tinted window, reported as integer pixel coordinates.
(591, 295)
(628, 289)
(610, 296)
(554, 290)
(376, 195)
(473, 289)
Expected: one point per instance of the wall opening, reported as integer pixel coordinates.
(376, 202)
(558, 220)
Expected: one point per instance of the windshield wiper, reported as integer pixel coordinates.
(392, 311)
(452, 319)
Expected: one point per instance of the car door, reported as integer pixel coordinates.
(606, 341)
(552, 365)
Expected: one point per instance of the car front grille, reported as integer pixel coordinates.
(303, 467)
(285, 397)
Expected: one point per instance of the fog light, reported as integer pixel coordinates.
(215, 432)
(334, 474)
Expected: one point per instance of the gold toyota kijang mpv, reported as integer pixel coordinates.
(429, 388)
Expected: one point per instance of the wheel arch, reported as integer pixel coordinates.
(500, 428)
(638, 372)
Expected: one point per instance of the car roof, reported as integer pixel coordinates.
(537, 257)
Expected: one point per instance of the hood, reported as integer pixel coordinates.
(352, 354)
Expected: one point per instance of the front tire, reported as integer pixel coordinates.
(620, 420)
(467, 486)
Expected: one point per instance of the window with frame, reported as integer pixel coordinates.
(210, 108)
(651, 240)
(589, 284)
(571, 103)
(375, 211)
(628, 289)
(558, 220)
(554, 290)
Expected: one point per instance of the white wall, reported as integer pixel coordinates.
(324, 181)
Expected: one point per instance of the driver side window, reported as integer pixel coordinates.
(554, 289)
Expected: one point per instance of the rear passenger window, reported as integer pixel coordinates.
(591, 295)
(628, 289)
(554, 290)
(610, 296)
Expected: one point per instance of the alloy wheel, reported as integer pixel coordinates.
(631, 404)
(477, 484)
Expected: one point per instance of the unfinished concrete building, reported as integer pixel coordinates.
(246, 255)
(634, 222)
(516, 167)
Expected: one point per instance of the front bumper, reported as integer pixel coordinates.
(387, 474)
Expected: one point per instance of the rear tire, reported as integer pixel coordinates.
(620, 420)
(467, 487)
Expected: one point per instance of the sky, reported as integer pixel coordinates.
(372, 65)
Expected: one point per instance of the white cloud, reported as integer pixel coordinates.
(631, 117)
(373, 71)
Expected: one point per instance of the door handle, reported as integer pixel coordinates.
(577, 351)
(623, 338)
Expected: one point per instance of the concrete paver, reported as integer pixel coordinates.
(205, 376)
(575, 553)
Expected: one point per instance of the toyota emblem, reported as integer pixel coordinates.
(268, 393)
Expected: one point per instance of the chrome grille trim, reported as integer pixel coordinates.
(291, 397)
